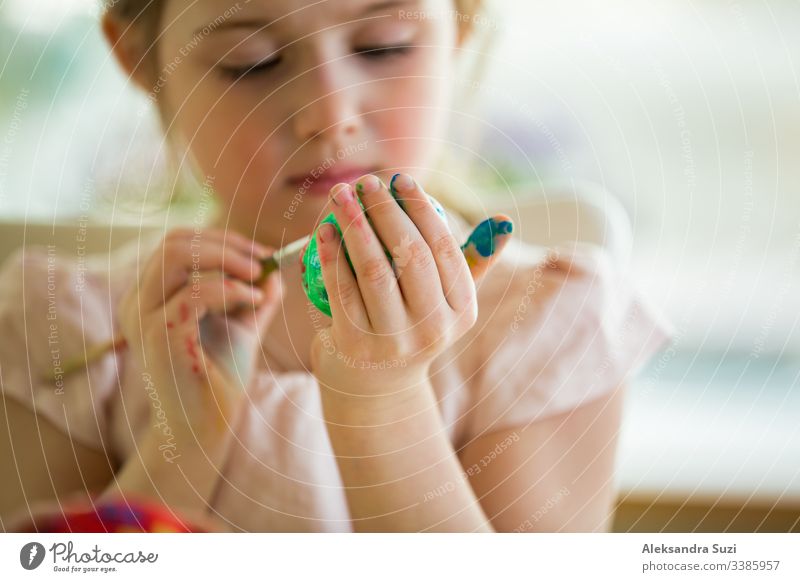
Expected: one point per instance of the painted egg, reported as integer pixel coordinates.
(313, 284)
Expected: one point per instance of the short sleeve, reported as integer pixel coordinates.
(561, 330)
(49, 314)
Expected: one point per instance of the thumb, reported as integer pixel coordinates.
(485, 244)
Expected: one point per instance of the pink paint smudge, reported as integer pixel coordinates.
(184, 313)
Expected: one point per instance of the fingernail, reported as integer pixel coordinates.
(368, 185)
(327, 232)
(342, 194)
(504, 227)
(401, 183)
(257, 269)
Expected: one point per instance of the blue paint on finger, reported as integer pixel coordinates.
(485, 235)
(394, 192)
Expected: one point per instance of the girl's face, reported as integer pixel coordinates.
(281, 99)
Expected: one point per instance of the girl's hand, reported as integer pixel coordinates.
(194, 322)
(389, 326)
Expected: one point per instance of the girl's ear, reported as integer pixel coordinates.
(126, 42)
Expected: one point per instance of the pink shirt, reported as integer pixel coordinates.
(557, 328)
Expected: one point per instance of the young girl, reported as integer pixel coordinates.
(449, 391)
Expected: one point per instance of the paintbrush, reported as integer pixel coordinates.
(283, 257)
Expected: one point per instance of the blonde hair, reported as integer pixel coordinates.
(144, 20)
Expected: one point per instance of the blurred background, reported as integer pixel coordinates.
(687, 111)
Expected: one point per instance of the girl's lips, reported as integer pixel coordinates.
(322, 184)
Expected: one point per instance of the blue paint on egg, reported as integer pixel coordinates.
(313, 283)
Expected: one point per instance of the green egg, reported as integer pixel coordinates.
(313, 283)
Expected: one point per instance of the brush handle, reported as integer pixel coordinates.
(268, 266)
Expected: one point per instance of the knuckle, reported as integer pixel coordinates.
(446, 248)
(345, 293)
(432, 333)
(377, 271)
(438, 323)
(430, 341)
(463, 300)
(420, 255)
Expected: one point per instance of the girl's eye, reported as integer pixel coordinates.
(382, 52)
(261, 67)
(236, 73)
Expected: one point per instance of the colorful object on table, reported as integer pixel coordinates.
(484, 238)
(313, 283)
(123, 516)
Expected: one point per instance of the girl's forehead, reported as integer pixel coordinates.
(212, 16)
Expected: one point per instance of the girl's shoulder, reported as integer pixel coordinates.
(557, 326)
(527, 279)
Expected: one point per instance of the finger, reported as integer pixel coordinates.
(263, 315)
(487, 241)
(344, 294)
(412, 258)
(453, 278)
(214, 294)
(230, 237)
(185, 311)
(179, 261)
(375, 277)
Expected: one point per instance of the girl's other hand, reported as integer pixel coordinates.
(194, 322)
(391, 319)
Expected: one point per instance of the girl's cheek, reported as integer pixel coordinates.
(224, 143)
(410, 138)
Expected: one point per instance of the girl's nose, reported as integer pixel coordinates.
(328, 103)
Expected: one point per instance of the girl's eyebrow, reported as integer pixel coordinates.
(260, 24)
